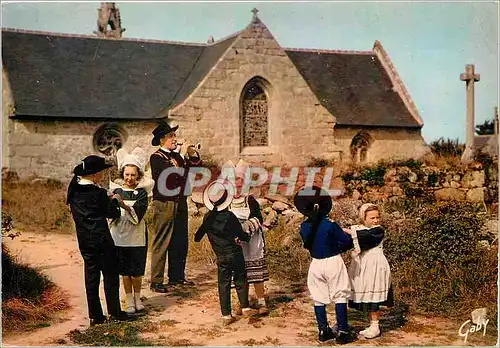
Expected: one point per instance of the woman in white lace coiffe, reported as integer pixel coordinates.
(129, 231)
(247, 210)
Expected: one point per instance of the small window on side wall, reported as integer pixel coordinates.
(359, 147)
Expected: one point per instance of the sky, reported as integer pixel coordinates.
(429, 43)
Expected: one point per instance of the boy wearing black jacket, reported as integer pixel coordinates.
(90, 206)
(224, 233)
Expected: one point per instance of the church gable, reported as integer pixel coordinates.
(255, 104)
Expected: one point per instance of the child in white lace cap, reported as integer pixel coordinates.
(369, 270)
(129, 231)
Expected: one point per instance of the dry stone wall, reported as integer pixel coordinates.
(477, 184)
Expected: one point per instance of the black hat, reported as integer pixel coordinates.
(91, 165)
(160, 131)
(307, 197)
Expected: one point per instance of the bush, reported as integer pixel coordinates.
(318, 162)
(414, 165)
(21, 281)
(448, 147)
(437, 263)
(287, 259)
(373, 175)
(28, 297)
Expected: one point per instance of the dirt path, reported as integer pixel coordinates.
(191, 316)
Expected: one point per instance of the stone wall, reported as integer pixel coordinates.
(7, 110)
(53, 148)
(298, 126)
(477, 183)
(390, 143)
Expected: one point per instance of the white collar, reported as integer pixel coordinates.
(83, 181)
(169, 151)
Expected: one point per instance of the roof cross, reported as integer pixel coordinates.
(255, 11)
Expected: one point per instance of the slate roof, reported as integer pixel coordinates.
(76, 76)
(354, 87)
(86, 77)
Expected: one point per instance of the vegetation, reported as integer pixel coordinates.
(28, 297)
(448, 147)
(18, 199)
(487, 127)
(372, 175)
(438, 265)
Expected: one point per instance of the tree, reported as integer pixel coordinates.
(488, 127)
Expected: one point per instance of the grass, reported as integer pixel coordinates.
(288, 264)
(51, 216)
(267, 341)
(113, 334)
(29, 299)
(24, 315)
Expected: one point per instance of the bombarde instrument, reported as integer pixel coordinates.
(192, 149)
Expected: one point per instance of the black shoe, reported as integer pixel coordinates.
(123, 316)
(344, 337)
(181, 282)
(158, 287)
(97, 321)
(326, 335)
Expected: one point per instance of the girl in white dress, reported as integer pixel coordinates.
(129, 231)
(247, 210)
(369, 270)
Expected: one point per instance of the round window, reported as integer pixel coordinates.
(108, 139)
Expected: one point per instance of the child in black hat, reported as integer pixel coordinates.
(224, 232)
(327, 278)
(90, 206)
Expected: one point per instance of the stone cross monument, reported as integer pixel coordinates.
(469, 77)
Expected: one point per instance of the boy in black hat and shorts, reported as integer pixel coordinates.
(327, 278)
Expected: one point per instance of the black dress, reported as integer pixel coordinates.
(129, 232)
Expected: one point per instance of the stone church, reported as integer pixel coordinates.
(244, 96)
